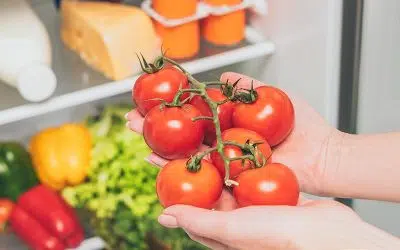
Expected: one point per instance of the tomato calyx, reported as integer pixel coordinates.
(230, 90)
(151, 68)
(239, 95)
(246, 96)
(250, 152)
(194, 163)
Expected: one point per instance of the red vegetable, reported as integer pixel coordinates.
(239, 135)
(273, 184)
(44, 221)
(163, 84)
(224, 113)
(271, 115)
(6, 206)
(177, 185)
(171, 133)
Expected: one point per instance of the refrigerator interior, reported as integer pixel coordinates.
(306, 47)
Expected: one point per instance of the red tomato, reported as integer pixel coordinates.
(271, 115)
(177, 185)
(224, 113)
(171, 133)
(273, 184)
(6, 207)
(239, 135)
(163, 84)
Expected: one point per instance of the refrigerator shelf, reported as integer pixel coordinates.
(79, 84)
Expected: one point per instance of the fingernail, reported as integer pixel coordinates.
(135, 126)
(148, 160)
(151, 162)
(126, 116)
(168, 221)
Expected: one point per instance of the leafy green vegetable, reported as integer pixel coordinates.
(120, 189)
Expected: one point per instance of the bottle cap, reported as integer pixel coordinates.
(36, 82)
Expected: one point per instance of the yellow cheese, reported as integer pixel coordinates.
(107, 36)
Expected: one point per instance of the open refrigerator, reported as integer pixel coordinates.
(306, 47)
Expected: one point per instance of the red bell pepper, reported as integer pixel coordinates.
(45, 221)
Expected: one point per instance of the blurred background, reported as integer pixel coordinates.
(72, 61)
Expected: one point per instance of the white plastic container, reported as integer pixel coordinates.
(25, 51)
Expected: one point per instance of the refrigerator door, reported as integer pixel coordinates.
(379, 93)
(307, 35)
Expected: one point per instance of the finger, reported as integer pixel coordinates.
(202, 222)
(226, 202)
(203, 148)
(135, 121)
(212, 244)
(156, 160)
(245, 81)
(303, 200)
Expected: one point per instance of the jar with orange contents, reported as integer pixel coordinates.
(181, 41)
(226, 29)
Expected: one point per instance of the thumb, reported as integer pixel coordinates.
(202, 222)
(244, 81)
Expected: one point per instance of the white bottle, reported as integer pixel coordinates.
(25, 51)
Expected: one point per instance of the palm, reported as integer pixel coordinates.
(304, 150)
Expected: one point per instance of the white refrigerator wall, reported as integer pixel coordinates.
(307, 62)
(307, 35)
(379, 93)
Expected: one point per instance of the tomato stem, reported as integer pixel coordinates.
(215, 83)
(242, 157)
(202, 118)
(230, 91)
(176, 102)
(150, 68)
(194, 164)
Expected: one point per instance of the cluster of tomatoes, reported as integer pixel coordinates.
(176, 133)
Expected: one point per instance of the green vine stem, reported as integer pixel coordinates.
(229, 90)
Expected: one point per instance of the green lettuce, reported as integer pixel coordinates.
(120, 189)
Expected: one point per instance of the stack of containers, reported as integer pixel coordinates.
(182, 23)
(181, 41)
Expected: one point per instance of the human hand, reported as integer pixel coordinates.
(312, 225)
(304, 150)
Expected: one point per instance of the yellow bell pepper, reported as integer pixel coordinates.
(61, 155)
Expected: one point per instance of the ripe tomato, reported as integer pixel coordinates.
(163, 84)
(171, 133)
(273, 184)
(177, 185)
(271, 115)
(239, 135)
(6, 207)
(224, 113)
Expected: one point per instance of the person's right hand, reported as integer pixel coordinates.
(304, 150)
(312, 225)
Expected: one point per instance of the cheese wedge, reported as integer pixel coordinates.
(107, 36)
